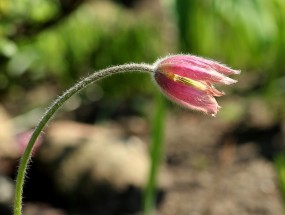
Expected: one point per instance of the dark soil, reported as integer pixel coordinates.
(212, 166)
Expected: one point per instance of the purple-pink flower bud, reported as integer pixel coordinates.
(188, 79)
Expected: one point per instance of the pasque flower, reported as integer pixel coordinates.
(188, 80)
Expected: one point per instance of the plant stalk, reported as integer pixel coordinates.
(18, 198)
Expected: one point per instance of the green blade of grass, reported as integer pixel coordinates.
(156, 151)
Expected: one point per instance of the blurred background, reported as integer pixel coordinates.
(93, 158)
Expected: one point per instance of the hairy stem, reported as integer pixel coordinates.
(50, 112)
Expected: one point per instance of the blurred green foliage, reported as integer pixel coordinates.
(280, 169)
(246, 33)
(57, 42)
(52, 42)
(249, 35)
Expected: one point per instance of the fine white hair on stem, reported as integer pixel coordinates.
(52, 109)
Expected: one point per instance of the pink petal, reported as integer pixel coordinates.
(218, 66)
(202, 62)
(196, 73)
(188, 96)
(199, 62)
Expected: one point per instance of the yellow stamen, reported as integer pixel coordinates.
(187, 81)
(190, 82)
(200, 85)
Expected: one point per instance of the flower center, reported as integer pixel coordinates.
(200, 85)
(187, 81)
(190, 82)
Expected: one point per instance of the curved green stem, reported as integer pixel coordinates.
(50, 112)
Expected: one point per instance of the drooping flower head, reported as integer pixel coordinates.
(188, 80)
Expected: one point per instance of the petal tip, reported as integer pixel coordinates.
(228, 81)
(236, 72)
